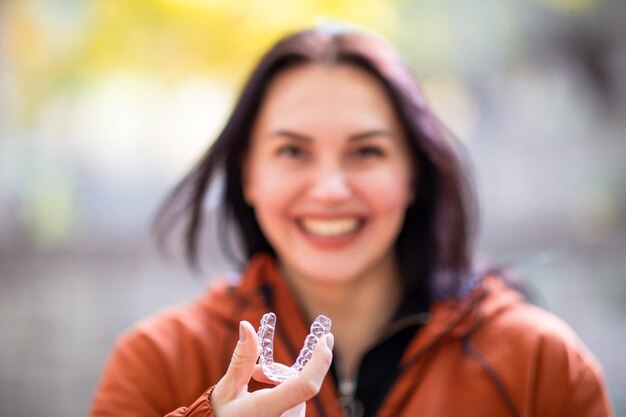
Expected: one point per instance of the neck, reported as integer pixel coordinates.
(360, 308)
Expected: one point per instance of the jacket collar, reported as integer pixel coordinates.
(261, 288)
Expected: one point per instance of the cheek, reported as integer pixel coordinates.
(270, 192)
(389, 192)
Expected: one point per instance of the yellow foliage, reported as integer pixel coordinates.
(169, 38)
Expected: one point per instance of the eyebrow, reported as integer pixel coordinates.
(291, 135)
(372, 133)
(356, 137)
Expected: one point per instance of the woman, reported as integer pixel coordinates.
(352, 202)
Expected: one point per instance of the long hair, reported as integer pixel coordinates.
(434, 246)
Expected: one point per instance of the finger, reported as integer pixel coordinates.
(298, 411)
(297, 390)
(241, 364)
(315, 370)
(259, 376)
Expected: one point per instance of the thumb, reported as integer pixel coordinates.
(241, 365)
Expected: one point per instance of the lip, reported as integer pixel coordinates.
(331, 241)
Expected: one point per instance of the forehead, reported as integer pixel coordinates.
(329, 93)
(316, 80)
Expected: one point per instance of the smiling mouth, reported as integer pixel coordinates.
(331, 227)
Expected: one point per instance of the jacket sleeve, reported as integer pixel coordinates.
(201, 407)
(139, 380)
(569, 379)
(587, 396)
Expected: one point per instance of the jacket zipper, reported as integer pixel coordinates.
(350, 405)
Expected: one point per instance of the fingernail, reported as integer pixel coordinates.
(330, 341)
(242, 333)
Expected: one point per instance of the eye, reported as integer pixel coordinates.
(290, 151)
(369, 151)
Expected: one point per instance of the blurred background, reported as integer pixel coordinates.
(104, 105)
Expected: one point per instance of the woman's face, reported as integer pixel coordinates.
(329, 172)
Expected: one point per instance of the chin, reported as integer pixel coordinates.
(331, 275)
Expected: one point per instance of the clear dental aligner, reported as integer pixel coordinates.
(265, 335)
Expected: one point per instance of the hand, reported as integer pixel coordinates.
(230, 397)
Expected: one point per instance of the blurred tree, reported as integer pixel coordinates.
(62, 45)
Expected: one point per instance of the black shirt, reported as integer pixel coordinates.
(377, 370)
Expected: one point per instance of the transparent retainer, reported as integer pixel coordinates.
(265, 335)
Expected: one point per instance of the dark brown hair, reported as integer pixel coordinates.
(434, 247)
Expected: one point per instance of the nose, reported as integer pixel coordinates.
(330, 186)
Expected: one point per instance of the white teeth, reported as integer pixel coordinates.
(334, 227)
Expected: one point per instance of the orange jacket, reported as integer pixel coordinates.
(489, 354)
